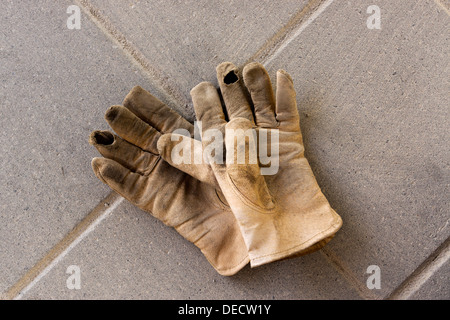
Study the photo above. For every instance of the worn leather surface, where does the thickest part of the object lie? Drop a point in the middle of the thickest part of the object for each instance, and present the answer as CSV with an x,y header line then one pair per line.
x,y
280,215
132,166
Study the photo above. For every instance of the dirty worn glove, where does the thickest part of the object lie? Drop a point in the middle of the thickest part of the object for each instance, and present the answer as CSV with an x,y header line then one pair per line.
x,y
283,213
131,165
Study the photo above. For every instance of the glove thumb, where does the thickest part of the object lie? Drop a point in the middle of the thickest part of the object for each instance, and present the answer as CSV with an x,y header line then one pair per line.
x,y
185,153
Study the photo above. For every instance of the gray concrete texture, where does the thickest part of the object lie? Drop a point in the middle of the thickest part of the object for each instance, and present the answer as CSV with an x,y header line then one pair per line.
x,y
375,123
374,107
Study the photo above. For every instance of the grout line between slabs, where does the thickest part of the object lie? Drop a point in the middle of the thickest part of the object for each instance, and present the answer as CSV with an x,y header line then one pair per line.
x,y
425,271
133,53
64,246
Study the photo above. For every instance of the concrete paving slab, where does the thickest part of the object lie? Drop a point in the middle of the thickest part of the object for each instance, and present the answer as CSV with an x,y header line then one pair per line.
x,y
375,118
56,84
186,40
132,255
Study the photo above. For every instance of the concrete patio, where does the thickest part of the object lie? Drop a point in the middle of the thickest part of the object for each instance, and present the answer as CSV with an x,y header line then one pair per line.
x,y
375,117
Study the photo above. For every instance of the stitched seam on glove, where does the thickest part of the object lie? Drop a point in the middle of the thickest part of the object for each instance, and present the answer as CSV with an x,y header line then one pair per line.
x,y
222,205
246,200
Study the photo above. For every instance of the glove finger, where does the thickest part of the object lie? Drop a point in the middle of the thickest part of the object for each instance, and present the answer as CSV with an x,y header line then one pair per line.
x,y
130,185
258,84
208,107
113,147
236,102
286,105
246,174
131,128
186,154
155,112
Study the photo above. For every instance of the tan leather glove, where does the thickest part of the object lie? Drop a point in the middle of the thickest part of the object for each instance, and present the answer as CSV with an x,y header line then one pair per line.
x,y
280,215
133,167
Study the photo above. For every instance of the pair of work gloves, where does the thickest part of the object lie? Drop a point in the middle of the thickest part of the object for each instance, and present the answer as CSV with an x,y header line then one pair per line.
x,y
231,211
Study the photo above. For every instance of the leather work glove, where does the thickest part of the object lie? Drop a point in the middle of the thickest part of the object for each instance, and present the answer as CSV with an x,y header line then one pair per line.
x,y
133,168
283,213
